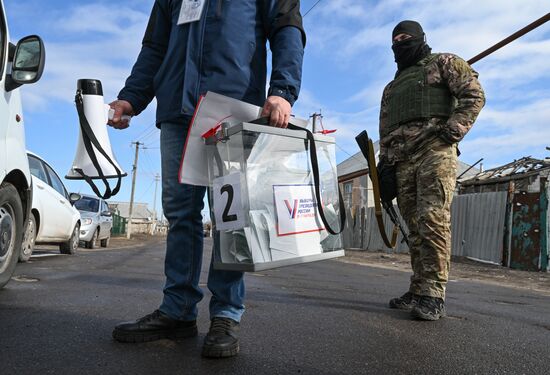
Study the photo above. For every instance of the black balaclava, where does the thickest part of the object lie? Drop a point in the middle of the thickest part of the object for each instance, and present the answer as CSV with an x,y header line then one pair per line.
x,y
409,51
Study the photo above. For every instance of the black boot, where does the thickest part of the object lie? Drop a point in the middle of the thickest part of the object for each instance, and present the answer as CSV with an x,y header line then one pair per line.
x,y
429,308
222,339
153,327
406,302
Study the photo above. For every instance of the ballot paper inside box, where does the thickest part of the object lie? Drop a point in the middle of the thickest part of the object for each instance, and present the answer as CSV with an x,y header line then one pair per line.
x,y
263,206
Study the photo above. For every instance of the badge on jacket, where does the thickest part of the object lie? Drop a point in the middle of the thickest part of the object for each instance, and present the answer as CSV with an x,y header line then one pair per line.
x,y
191,11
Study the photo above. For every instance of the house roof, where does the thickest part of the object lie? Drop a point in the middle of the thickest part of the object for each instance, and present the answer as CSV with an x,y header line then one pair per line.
x,y
356,162
463,167
526,166
139,211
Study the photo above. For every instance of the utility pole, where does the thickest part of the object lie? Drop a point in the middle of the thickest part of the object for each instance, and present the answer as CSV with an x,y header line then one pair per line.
x,y
134,171
155,221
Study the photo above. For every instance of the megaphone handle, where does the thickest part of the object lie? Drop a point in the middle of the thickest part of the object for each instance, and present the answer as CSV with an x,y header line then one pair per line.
x,y
111,114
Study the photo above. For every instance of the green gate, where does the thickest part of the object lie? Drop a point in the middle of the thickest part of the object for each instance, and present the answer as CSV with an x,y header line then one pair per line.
x,y
119,225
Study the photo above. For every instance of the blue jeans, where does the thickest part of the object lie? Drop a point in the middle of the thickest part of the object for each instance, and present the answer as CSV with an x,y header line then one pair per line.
x,y
182,205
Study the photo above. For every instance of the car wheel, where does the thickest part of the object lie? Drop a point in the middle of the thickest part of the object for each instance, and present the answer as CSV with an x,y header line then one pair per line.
x,y
92,244
105,241
29,240
71,245
11,231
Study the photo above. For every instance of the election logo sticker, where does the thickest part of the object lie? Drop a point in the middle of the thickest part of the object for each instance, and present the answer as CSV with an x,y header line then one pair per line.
x,y
296,209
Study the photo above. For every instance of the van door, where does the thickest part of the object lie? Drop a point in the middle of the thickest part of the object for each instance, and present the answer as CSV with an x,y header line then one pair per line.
x,y
4,99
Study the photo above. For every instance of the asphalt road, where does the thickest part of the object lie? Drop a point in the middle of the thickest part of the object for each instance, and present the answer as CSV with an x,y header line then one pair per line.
x,y
329,317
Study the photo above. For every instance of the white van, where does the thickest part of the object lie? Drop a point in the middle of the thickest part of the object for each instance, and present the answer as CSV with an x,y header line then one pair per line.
x,y
19,64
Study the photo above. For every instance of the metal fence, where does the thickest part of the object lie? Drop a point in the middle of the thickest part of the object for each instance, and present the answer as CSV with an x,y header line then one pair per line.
x,y
119,225
361,231
478,222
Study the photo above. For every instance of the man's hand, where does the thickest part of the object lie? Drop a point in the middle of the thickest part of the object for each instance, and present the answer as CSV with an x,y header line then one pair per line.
x,y
278,110
121,107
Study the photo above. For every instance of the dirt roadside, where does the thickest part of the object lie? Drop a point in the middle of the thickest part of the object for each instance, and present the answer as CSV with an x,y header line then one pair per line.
x,y
461,269
137,240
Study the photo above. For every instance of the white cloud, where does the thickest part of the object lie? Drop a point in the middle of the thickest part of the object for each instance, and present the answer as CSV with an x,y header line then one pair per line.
x,y
350,61
94,41
354,36
98,18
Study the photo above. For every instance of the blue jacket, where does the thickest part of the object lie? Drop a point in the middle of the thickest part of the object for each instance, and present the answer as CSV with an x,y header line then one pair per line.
x,y
225,52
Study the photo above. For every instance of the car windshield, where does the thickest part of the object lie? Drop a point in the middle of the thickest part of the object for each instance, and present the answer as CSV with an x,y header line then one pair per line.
x,y
87,204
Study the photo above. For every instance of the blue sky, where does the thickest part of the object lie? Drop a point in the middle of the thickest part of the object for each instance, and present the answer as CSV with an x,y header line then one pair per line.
x,y
347,63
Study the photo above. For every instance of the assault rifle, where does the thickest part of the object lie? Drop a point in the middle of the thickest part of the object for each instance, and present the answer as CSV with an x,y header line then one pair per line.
x,y
367,148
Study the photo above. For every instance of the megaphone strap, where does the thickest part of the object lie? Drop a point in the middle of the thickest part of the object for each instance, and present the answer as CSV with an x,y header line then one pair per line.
x,y
90,141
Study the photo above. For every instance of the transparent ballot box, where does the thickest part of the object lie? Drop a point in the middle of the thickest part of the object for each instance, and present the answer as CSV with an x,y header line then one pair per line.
x,y
262,198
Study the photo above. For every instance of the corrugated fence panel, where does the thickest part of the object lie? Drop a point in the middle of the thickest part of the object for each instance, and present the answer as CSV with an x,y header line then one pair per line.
x,y
477,227
459,209
372,239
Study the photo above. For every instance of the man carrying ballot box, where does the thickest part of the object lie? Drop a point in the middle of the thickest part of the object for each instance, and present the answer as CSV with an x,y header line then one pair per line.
x,y
191,47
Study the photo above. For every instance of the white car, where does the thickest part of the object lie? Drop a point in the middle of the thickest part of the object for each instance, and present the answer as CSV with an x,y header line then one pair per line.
x,y
19,64
53,218
97,221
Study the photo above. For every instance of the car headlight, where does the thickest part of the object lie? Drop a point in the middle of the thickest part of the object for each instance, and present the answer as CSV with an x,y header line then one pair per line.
x,y
87,221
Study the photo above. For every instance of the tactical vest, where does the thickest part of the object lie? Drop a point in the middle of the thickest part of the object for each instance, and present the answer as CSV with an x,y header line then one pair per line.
x,y
411,98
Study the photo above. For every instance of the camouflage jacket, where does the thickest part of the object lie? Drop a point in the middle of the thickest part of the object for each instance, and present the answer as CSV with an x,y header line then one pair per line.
x,y
416,136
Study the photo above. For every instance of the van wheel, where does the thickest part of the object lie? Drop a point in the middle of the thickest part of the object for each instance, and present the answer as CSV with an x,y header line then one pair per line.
x,y
92,244
71,245
29,240
11,230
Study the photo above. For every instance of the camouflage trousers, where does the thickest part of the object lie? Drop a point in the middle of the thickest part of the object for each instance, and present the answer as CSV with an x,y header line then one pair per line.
x,y
426,182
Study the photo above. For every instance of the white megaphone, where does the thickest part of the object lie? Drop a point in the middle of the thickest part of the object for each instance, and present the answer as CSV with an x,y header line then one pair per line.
x,y
94,158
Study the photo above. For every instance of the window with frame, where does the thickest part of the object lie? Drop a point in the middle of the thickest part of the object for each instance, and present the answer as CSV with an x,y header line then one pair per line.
x,y
37,169
56,182
348,187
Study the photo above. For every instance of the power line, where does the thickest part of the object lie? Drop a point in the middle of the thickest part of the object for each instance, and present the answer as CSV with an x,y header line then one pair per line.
x,y
146,130
354,157
148,161
148,135
146,190
311,8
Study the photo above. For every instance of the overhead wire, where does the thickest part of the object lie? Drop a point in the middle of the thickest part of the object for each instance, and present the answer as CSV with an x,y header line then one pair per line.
x,y
149,134
146,130
148,161
350,155
146,190
314,5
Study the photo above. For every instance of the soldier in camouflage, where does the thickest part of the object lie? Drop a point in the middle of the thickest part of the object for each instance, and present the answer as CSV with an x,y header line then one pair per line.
x,y
426,110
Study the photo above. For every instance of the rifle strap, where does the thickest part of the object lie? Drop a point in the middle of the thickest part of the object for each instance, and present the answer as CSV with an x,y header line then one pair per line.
x,y
373,173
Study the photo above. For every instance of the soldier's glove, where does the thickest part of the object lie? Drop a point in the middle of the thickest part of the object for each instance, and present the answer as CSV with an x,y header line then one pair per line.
x,y
452,132
387,179
448,137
